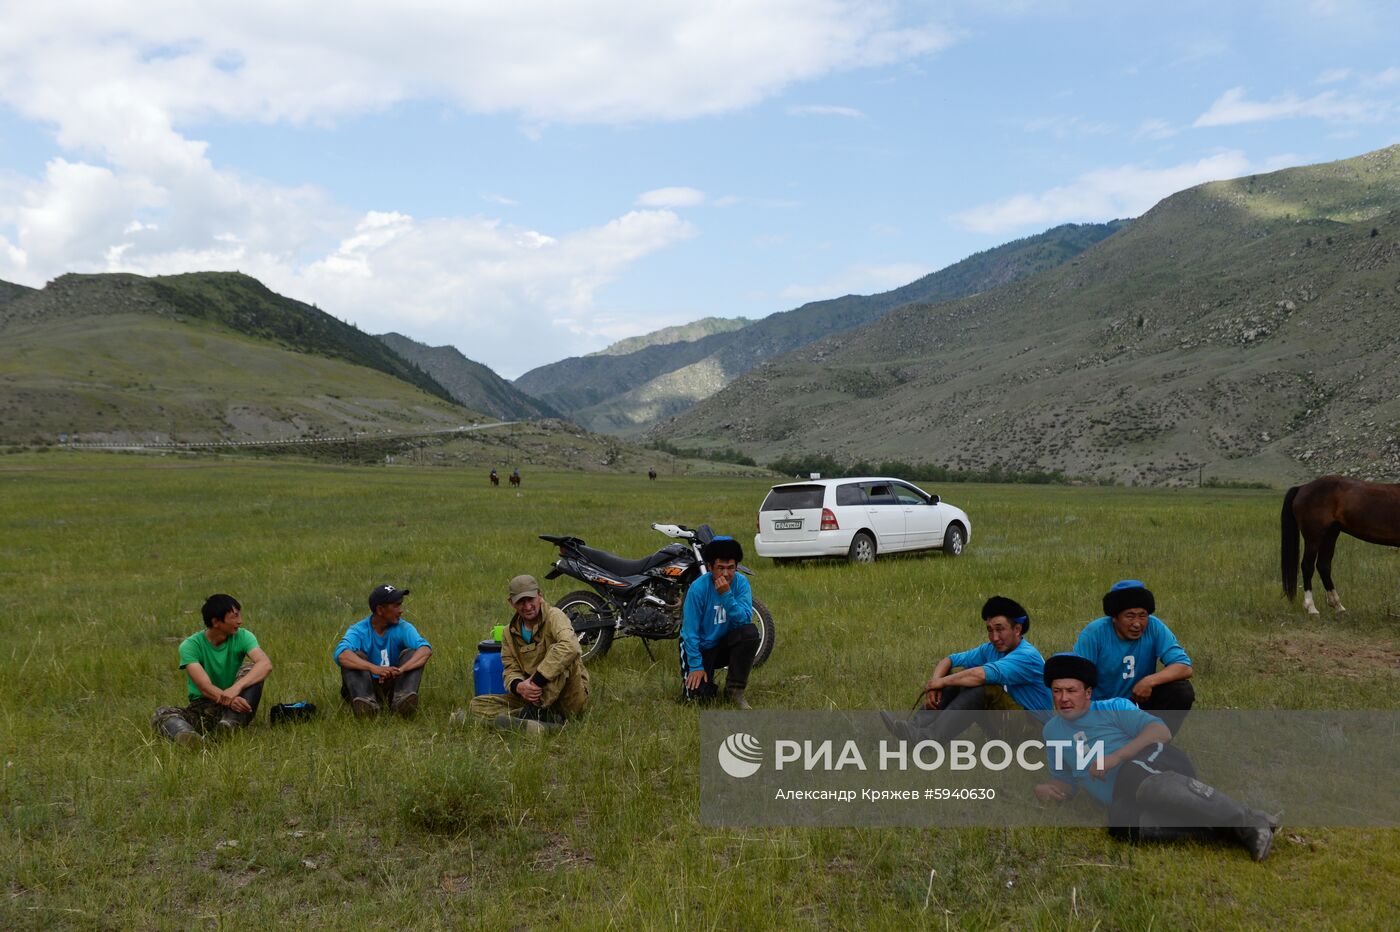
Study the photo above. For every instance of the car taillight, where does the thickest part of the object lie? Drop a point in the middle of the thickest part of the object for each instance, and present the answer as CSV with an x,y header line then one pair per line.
x,y
829,521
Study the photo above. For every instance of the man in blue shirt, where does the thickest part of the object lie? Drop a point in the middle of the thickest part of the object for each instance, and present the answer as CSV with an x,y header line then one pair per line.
x,y
1122,757
381,657
1004,674
717,628
1126,645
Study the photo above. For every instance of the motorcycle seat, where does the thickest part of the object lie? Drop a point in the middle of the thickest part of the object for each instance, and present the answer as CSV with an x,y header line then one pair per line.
x,y
621,565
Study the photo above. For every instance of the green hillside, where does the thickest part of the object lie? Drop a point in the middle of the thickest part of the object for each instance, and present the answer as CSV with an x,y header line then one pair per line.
x,y
626,394
230,299
133,377
469,382
1242,329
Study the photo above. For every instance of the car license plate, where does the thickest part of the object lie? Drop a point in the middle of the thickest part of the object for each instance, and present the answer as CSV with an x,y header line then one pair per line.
x,y
794,524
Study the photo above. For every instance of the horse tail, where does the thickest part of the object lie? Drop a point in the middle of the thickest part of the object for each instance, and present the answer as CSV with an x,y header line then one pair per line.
x,y
1288,550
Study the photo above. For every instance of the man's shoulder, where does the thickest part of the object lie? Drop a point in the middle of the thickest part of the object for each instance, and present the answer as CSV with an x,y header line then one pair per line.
x,y
193,646
244,640
1027,650
1116,704
1159,627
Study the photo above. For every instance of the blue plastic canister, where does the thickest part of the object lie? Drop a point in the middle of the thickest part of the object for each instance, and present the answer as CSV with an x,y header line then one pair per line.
x,y
488,676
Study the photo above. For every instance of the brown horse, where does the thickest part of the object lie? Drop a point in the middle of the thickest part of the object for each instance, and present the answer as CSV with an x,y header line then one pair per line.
x,y
1322,510
515,478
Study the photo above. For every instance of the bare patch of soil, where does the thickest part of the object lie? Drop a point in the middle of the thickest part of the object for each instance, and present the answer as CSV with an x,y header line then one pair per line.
x,y
1352,660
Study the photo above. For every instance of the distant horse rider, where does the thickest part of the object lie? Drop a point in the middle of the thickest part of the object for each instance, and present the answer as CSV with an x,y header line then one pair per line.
x,y
495,478
515,476
651,473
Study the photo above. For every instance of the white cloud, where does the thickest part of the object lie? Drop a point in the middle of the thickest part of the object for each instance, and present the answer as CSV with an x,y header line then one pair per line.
x,y
857,279
1064,127
500,199
1233,107
825,110
1333,75
1104,194
120,83
554,60
671,197
1155,129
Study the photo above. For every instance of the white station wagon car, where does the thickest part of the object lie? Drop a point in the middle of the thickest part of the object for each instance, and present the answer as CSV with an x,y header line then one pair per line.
x,y
856,518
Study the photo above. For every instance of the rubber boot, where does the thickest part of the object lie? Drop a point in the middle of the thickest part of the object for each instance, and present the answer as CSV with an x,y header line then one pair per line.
x,y
405,704
1181,801
178,730
531,726
735,695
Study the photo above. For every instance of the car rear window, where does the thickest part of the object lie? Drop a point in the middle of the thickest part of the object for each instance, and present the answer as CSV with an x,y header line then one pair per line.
x,y
793,497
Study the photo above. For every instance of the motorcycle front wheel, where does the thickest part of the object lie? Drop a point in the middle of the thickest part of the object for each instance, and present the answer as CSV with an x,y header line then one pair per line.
x,y
766,632
584,607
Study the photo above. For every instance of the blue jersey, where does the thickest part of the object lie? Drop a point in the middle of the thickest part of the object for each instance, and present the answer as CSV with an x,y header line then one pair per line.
x,y
1115,722
710,616
1122,663
1020,671
383,649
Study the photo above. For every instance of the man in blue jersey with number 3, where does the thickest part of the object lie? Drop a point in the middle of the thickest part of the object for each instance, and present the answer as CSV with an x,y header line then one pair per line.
x,y
1126,645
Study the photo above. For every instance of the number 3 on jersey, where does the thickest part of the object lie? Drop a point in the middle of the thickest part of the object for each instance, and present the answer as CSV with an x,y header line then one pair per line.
x,y
1131,663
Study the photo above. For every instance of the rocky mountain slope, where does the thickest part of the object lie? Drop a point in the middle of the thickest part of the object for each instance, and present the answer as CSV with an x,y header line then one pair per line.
x,y
682,333
1244,329
469,382
627,393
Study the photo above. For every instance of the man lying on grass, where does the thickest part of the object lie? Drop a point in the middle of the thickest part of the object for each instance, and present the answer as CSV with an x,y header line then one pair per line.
x,y
1148,785
1005,674
381,657
1126,645
224,672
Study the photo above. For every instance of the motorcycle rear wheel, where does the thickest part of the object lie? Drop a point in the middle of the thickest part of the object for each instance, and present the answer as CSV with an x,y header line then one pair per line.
x,y
766,632
582,604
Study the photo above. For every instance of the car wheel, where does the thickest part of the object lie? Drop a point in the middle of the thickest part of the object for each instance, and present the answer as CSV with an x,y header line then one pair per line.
x,y
954,539
862,549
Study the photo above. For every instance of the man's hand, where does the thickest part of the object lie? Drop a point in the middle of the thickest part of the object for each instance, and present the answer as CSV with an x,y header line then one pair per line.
x,y
694,678
528,691
933,692
1142,691
233,702
1104,765
721,584
1050,793
387,673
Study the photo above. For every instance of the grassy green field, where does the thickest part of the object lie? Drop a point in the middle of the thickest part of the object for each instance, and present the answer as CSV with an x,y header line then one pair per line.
x,y
338,823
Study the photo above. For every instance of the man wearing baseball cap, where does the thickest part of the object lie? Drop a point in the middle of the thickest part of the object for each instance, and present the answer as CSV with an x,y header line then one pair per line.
x,y
1122,757
542,663
717,628
1126,645
381,658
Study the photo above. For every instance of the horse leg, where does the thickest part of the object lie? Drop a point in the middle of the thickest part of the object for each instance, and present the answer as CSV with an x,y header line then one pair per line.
x,y
1324,568
1309,560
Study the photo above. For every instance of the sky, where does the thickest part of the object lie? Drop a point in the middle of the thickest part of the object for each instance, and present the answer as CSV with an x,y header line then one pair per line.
x,y
533,179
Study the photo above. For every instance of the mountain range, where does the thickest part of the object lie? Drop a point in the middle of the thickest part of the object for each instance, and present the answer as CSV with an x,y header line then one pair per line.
x,y
627,392
1245,328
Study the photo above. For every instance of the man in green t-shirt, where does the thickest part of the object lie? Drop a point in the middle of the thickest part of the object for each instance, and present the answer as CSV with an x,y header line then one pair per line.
x,y
224,672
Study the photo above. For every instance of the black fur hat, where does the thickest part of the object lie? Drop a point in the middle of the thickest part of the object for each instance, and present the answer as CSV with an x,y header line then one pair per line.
x,y
722,548
1001,605
1126,594
1071,667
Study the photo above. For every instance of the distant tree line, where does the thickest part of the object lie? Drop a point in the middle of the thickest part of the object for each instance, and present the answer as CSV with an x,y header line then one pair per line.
x,y
805,464
717,456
